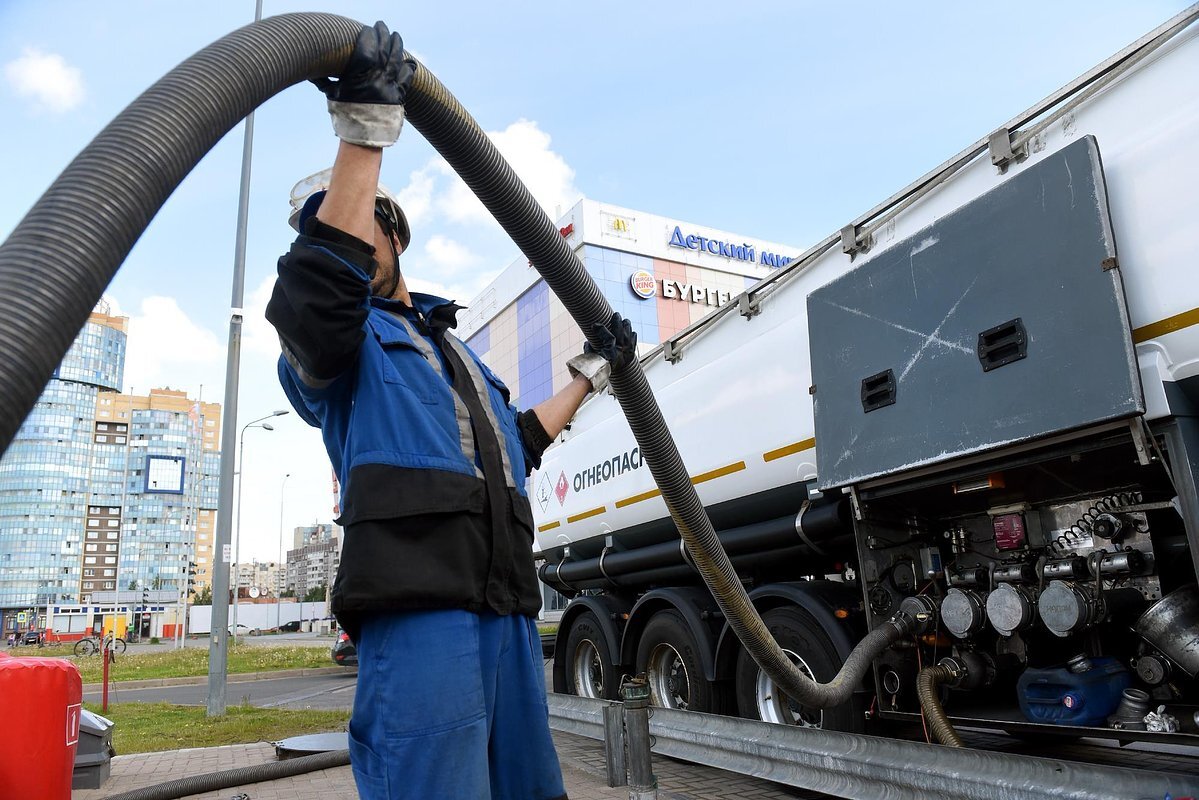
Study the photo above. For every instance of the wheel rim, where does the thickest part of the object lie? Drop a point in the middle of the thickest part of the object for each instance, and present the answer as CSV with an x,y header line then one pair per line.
x,y
775,705
669,683
587,668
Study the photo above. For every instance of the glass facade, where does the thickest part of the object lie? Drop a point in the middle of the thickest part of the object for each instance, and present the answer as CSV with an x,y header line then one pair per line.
x,y
45,474
76,512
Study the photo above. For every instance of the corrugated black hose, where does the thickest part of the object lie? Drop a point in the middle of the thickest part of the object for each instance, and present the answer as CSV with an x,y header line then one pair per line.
x,y
242,776
928,689
60,257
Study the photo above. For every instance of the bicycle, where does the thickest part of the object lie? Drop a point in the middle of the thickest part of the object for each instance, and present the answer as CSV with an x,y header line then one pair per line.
x,y
92,644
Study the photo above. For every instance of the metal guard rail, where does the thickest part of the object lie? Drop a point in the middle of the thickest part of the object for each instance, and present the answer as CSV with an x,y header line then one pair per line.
x,y
856,766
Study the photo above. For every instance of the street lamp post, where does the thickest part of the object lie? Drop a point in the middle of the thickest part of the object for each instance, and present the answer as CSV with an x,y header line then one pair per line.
x,y
241,467
279,593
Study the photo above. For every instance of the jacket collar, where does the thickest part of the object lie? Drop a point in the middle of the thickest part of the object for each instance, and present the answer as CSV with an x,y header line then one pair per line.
x,y
438,312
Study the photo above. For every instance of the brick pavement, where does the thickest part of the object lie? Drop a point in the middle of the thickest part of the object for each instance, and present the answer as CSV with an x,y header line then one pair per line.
x,y
582,768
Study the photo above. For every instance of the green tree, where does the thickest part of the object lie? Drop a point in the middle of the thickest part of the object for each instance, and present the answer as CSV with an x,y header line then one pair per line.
x,y
204,596
133,585
157,583
315,594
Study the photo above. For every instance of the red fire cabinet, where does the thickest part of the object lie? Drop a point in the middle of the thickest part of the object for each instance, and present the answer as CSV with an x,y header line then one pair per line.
x,y
41,696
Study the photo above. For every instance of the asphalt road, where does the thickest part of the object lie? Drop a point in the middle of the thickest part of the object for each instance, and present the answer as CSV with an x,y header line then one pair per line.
x,y
331,691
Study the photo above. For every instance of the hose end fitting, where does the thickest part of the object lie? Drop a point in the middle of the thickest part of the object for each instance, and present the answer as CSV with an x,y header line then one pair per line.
x,y
917,614
969,670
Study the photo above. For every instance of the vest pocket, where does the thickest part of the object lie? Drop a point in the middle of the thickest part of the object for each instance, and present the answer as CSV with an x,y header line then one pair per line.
x,y
405,365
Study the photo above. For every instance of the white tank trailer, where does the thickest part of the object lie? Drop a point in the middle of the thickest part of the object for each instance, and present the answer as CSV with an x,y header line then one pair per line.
x,y
983,393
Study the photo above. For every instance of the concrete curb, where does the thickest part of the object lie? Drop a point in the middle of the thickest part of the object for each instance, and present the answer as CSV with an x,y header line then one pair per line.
x,y
241,677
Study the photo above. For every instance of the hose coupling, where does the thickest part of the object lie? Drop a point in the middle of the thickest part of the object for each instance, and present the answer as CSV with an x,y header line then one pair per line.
x,y
969,670
917,614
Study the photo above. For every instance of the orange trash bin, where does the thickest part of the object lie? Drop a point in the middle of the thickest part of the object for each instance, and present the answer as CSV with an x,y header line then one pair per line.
x,y
42,696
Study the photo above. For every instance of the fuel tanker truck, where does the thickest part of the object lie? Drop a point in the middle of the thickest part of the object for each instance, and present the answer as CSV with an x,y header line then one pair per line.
x,y
976,406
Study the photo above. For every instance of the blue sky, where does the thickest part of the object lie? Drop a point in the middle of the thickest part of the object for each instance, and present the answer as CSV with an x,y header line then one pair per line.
x,y
777,120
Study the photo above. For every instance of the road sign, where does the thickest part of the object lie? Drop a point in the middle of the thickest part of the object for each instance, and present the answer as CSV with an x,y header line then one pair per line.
x,y
21,617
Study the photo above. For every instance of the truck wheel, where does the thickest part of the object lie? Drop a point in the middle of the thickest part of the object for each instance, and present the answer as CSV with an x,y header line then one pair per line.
x,y
803,640
670,659
589,670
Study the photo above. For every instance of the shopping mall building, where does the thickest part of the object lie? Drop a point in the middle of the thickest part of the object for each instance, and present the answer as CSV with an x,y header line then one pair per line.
x,y
660,273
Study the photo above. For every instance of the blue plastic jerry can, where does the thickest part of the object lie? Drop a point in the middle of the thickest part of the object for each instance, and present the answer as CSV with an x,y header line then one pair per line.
x,y
1058,696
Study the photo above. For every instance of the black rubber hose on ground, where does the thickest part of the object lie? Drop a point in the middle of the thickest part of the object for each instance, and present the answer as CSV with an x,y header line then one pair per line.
x,y
60,257
242,776
928,687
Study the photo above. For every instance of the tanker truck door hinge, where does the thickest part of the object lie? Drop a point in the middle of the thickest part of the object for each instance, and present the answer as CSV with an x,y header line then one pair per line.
x,y
855,504
999,144
1141,437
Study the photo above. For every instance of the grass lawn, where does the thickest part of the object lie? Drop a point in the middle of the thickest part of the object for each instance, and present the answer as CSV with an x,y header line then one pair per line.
x,y
150,727
187,662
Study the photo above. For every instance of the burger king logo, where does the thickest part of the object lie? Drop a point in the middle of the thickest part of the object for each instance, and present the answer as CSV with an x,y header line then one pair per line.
x,y
643,284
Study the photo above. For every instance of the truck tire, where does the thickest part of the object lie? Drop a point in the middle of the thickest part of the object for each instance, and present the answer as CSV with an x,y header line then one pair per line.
x,y
588,663
809,646
670,659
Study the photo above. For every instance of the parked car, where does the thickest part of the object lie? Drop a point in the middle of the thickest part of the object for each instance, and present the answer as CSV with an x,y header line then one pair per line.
x,y
32,637
290,627
344,653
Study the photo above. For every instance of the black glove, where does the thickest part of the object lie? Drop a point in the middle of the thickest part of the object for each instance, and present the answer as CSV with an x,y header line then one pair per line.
x,y
618,341
366,102
618,347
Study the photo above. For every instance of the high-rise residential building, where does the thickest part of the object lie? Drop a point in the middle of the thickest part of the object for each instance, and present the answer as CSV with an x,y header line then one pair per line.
x,y
260,579
166,446
312,565
101,489
316,533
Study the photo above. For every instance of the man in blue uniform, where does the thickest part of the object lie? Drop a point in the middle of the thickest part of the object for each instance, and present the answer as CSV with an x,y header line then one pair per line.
x,y
436,584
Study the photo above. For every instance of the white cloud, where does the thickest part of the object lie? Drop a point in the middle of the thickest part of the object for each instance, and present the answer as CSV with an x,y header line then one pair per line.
x,y
448,256
417,197
53,84
436,187
165,348
258,335
546,174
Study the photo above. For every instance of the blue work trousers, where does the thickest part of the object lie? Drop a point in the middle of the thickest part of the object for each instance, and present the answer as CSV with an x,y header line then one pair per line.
x,y
451,704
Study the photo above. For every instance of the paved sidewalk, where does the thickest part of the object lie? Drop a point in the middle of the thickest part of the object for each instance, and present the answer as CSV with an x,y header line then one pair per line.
x,y
582,767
